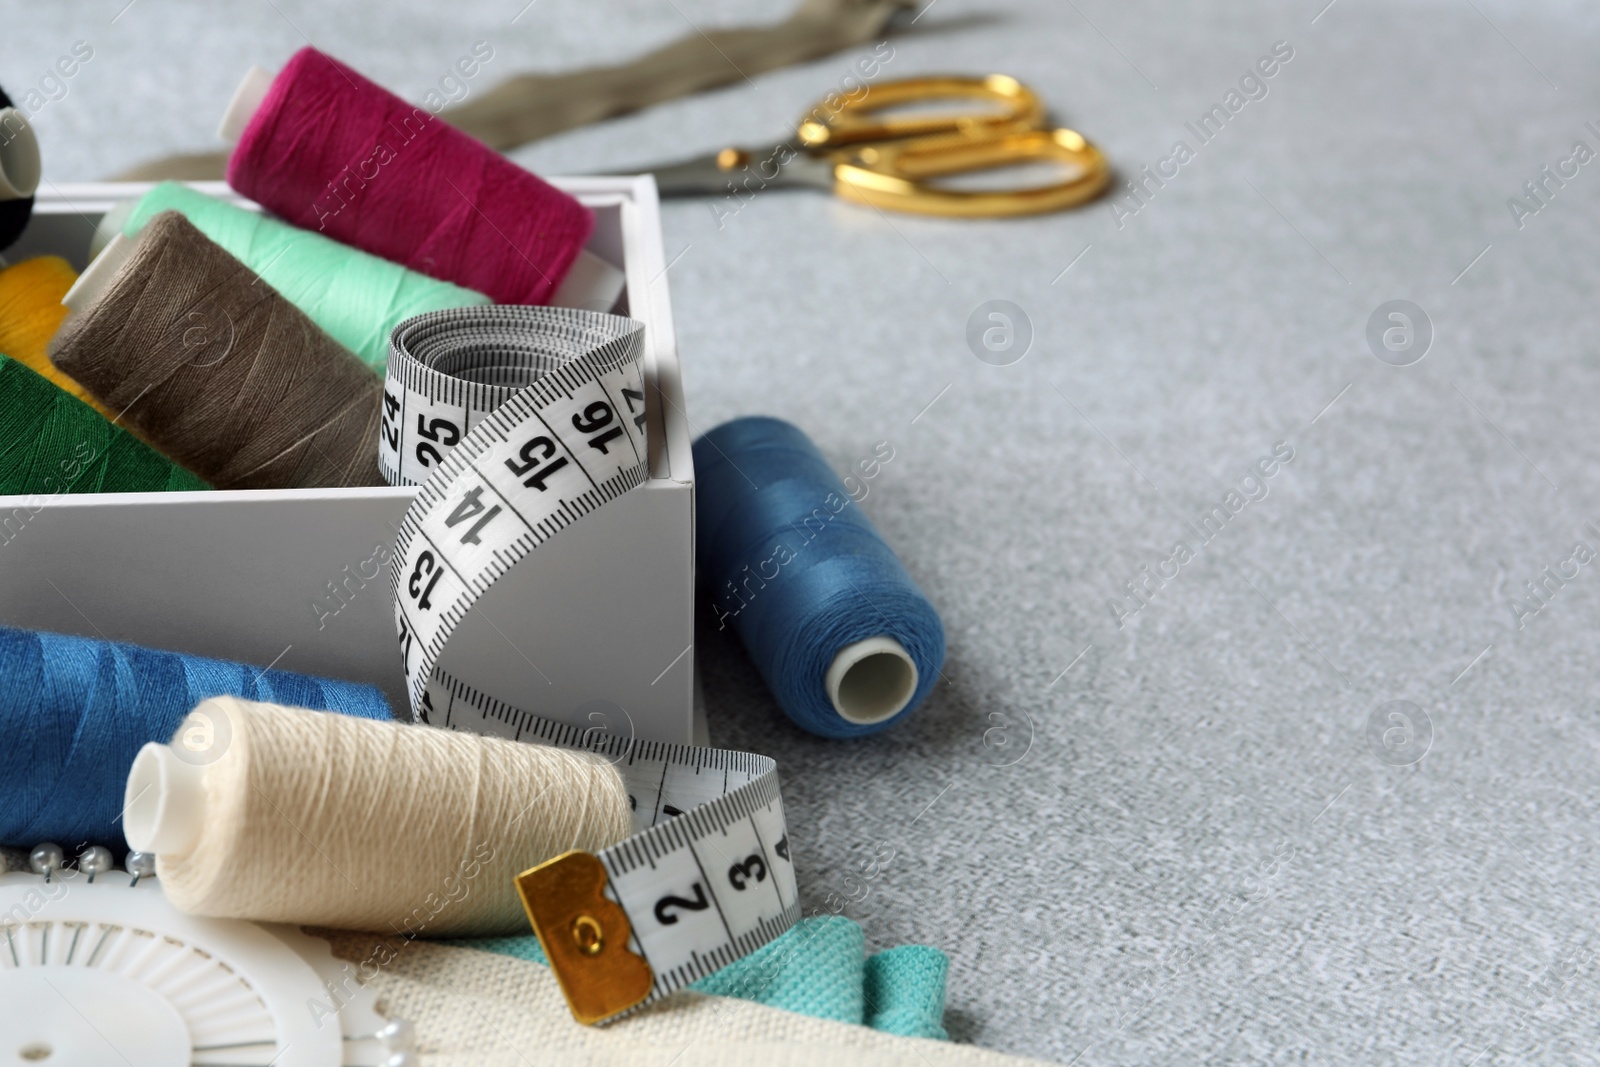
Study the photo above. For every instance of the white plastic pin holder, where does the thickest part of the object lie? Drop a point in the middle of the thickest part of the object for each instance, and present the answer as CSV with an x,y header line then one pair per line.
x,y
102,946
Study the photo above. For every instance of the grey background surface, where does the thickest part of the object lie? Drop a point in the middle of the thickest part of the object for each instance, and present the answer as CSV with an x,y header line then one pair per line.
x,y
1167,840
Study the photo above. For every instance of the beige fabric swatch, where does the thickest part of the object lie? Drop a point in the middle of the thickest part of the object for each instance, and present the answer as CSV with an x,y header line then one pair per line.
x,y
487,1010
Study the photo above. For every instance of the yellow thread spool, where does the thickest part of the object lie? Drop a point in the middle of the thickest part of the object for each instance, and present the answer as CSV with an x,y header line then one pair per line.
x,y
30,314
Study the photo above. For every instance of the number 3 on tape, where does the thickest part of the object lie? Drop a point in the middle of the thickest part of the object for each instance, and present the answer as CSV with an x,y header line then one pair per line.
x,y
517,421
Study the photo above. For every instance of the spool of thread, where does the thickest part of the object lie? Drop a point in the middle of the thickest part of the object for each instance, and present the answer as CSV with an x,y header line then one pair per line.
x,y
331,821
20,171
216,369
839,630
76,711
30,314
330,151
357,298
54,443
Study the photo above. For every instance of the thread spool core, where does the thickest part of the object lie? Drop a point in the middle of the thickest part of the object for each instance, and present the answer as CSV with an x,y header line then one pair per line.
x,y
591,283
164,808
109,226
871,680
98,274
247,100
20,167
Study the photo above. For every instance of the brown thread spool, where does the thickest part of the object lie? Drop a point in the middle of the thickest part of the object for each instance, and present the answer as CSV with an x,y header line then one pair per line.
x,y
211,365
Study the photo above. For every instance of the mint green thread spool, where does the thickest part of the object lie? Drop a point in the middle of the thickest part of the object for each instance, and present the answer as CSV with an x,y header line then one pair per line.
x,y
356,297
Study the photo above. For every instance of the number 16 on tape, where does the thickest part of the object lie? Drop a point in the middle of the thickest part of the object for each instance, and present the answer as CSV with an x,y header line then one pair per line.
x,y
518,421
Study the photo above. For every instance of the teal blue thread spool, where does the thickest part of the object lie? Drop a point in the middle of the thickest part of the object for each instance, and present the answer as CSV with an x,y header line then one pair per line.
x,y
847,642
77,710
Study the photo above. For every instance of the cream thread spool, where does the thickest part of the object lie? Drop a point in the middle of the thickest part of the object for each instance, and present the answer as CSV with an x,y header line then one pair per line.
x,y
280,814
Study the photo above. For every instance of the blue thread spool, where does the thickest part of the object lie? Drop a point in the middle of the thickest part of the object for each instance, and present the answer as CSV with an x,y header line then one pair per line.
x,y
841,633
75,711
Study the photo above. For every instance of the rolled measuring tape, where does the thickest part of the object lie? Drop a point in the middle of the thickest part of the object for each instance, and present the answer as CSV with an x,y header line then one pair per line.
x,y
517,421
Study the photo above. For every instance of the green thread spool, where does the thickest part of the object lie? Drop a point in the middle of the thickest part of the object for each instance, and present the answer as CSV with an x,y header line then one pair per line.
x,y
355,297
52,442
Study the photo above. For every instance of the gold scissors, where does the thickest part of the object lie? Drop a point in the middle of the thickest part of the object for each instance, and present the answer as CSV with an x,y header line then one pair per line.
x,y
893,162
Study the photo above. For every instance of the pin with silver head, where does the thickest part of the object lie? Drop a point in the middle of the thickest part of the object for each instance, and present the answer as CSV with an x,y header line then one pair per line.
x,y
96,859
140,865
46,858
397,1036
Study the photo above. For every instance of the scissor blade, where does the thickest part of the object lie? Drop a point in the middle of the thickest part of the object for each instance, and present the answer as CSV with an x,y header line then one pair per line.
x,y
764,169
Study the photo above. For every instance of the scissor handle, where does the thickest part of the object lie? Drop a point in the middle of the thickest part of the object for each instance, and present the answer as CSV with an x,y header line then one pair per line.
x,y
856,122
892,175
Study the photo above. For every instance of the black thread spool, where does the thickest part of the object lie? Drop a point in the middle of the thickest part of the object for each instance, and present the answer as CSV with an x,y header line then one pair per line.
x,y
19,166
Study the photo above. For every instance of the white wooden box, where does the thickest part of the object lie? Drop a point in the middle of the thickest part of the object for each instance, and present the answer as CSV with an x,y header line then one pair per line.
x,y
239,574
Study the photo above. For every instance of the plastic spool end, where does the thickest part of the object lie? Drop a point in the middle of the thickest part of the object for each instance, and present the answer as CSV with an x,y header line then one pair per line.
x,y
871,680
20,168
247,100
98,274
164,804
591,283
109,226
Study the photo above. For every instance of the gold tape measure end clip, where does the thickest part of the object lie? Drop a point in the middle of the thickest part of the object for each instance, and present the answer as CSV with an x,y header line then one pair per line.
x,y
585,936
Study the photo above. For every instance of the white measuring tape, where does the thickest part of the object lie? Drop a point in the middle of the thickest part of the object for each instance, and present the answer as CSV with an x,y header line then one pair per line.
x,y
517,421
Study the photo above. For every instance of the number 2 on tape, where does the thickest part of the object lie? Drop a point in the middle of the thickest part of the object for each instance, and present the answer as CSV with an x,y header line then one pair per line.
x,y
516,422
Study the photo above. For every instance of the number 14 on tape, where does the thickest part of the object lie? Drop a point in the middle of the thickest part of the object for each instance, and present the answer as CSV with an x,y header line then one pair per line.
x,y
519,421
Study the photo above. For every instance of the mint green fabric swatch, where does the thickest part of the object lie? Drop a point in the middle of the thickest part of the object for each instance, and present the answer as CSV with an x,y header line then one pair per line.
x,y
818,968
904,991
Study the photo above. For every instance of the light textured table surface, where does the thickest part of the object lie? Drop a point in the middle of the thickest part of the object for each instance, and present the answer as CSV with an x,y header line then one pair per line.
x,y
1196,853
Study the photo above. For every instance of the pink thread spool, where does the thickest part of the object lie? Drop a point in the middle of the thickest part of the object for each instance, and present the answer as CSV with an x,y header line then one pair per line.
x,y
329,150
